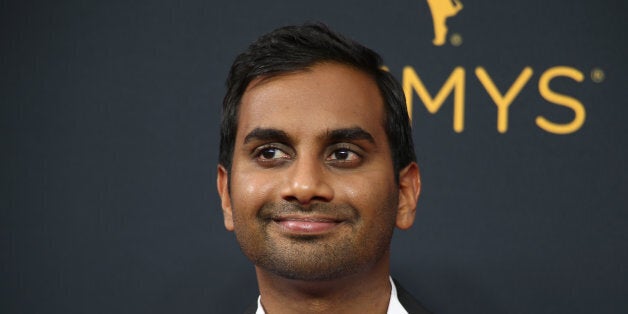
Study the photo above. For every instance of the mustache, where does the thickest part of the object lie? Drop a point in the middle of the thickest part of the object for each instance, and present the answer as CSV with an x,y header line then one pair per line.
x,y
334,211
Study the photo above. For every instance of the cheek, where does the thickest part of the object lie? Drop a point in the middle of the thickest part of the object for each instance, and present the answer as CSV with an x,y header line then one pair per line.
x,y
250,191
375,180
370,192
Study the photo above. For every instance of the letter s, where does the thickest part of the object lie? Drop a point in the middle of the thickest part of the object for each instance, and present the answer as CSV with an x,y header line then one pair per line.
x,y
562,100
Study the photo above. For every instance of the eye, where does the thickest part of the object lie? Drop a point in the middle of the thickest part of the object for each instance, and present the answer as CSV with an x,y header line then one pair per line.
x,y
269,156
344,156
272,153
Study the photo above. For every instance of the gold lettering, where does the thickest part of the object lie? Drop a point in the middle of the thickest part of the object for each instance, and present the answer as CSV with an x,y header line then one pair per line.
x,y
455,83
560,99
503,101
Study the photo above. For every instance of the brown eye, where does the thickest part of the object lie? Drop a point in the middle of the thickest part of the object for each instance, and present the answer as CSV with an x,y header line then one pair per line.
x,y
268,153
344,155
341,154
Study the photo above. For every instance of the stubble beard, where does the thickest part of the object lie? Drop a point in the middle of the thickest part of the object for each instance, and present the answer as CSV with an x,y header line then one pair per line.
x,y
317,258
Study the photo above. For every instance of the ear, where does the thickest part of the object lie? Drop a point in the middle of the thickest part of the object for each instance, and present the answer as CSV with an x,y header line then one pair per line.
x,y
222,182
409,190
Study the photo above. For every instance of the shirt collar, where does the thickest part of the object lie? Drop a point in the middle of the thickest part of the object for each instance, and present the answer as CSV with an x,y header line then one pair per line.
x,y
394,306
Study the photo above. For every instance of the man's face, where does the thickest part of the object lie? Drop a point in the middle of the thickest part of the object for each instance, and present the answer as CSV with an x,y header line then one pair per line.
x,y
312,193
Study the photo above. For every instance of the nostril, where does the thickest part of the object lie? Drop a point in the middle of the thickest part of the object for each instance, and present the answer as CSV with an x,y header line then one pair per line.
x,y
305,201
291,198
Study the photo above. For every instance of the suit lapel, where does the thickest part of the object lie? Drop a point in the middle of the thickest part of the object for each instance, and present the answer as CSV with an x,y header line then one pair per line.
x,y
408,301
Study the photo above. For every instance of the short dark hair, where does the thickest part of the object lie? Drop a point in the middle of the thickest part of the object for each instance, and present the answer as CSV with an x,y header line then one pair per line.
x,y
295,48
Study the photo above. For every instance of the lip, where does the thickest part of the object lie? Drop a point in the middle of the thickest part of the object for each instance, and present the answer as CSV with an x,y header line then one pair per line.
x,y
307,225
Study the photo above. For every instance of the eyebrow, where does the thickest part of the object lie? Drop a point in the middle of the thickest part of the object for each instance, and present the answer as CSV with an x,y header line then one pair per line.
x,y
349,134
337,135
267,134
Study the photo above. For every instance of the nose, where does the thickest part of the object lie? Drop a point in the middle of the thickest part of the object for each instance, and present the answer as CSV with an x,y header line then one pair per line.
x,y
306,182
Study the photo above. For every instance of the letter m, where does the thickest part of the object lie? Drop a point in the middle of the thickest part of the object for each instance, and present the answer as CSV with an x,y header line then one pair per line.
x,y
455,83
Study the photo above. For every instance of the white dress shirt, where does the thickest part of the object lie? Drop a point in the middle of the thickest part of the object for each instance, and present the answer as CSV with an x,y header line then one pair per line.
x,y
394,306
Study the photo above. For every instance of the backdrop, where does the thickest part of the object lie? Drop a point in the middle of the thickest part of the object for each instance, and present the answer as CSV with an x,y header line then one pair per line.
x,y
109,135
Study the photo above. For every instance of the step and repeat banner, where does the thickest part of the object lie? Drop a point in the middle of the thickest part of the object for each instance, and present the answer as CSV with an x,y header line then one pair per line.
x,y
110,119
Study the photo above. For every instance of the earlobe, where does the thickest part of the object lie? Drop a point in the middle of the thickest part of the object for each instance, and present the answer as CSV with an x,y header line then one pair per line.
x,y
222,182
409,190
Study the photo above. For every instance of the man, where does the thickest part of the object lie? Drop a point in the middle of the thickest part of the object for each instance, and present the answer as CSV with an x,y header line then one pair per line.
x,y
317,167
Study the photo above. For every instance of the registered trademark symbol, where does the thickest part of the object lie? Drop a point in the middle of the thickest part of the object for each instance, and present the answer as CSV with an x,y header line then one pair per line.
x,y
597,75
455,39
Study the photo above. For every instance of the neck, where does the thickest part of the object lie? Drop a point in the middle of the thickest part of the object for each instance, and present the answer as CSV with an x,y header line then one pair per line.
x,y
364,292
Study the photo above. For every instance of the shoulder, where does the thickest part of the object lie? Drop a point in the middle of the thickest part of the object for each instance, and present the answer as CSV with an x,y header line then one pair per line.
x,y
412,305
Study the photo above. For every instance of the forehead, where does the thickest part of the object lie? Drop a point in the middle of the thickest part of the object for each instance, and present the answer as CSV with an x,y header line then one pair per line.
x,y
324,97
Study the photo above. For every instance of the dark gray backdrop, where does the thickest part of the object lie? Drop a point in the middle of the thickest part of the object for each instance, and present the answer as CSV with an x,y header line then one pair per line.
x,y
109,130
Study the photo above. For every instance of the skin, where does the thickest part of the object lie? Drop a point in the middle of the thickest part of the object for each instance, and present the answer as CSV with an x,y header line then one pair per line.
x,y
312,195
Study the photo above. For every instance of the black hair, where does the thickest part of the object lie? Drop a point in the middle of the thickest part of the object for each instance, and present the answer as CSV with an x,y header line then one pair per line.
x,y
296,48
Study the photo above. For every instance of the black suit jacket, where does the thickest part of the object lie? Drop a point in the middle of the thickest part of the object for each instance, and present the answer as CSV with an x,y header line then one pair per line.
x,y
405,298
409,303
